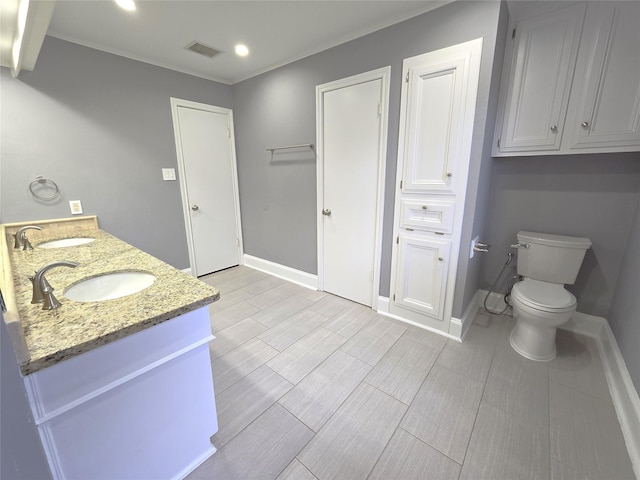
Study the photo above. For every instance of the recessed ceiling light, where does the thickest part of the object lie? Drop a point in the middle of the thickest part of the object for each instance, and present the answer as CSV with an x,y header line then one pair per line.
x,y
128,5
242,50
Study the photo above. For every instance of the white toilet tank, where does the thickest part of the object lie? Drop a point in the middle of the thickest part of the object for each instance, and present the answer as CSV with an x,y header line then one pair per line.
x,y
551,258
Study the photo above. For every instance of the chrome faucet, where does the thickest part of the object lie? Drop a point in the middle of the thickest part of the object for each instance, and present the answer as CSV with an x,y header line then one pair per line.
x,y
42,291
21,240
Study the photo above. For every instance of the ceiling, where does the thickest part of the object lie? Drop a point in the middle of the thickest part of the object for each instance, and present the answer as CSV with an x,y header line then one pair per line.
x,y
276,32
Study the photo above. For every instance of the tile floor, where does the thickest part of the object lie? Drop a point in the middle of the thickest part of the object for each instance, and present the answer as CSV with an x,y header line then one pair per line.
x,y
312,386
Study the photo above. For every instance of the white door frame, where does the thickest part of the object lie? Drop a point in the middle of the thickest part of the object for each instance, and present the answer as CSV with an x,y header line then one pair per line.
x,y
175,103
382,74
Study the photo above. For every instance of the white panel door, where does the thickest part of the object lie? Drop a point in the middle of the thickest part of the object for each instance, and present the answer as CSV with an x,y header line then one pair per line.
x,y
351,133
421,278
204,143
433,119
544,57
606,110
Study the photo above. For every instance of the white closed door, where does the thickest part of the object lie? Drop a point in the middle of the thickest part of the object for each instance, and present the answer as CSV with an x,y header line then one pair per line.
x,y
350,139
209,186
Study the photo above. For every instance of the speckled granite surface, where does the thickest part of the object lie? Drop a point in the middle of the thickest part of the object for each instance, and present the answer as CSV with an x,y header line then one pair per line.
x,y
75,327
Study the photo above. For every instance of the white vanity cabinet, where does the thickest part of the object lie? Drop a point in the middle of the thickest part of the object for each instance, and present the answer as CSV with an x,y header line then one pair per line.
x,y
142,407
571,80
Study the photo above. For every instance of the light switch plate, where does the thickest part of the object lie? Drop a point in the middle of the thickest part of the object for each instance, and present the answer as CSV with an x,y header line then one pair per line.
x,y
76,207
168,173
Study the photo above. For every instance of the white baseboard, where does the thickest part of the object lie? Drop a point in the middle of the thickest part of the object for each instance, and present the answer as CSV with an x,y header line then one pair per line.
x,y
460,326
188,271
299,277
383,309
623,393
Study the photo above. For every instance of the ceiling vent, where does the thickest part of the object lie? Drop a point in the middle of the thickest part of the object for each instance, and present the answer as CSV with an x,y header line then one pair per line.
x,y
203,49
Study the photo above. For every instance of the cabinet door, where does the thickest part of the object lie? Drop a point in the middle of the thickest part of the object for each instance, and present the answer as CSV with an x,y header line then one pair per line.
x,y
543,58
605,108
422,274
440,94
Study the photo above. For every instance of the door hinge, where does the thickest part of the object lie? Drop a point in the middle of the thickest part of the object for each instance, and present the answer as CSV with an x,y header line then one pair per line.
x,y
228,133
400,184
513,34
397,240
498,143
379,110
394,297
406,78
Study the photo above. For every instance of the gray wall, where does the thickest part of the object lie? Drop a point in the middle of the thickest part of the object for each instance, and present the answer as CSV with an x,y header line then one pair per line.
x,y
21,454
100,126
278,200
590,196
624,317
479,185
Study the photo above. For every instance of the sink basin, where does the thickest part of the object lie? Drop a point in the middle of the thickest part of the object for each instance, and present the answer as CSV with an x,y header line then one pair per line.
x,y
66,242
109,286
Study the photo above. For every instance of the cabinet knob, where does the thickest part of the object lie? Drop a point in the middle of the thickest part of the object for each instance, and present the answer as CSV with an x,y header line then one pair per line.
x,y
326,212
554,128
449,174
440,259
585,124
424,207
195,208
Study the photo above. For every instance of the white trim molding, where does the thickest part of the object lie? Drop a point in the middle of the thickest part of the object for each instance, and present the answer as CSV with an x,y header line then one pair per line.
x,y
383,309
460,326
623,393
292,275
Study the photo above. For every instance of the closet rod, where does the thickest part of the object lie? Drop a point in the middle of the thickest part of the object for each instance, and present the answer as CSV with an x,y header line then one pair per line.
x,y
308,145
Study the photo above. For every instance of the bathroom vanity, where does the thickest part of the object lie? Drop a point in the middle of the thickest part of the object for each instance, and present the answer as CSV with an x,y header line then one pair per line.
x,y
119,388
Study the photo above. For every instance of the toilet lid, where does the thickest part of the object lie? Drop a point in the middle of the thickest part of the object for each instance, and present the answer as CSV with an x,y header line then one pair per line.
x,y
543,296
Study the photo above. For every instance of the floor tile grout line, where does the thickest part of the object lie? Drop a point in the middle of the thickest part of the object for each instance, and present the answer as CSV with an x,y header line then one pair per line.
x,y
265,411
394,430
475,418
341,403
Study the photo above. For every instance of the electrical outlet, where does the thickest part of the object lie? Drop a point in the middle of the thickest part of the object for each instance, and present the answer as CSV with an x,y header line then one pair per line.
x,y
168,173
76,207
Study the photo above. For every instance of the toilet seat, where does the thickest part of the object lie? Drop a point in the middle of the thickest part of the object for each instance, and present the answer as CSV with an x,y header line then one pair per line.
x,y
543,296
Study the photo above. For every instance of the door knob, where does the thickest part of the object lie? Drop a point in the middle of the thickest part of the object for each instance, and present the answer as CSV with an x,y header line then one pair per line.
x,y
326,212
585,125
195,207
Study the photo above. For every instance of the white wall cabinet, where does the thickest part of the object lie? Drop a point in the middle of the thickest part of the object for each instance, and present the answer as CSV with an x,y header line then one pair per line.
x,y
571,81
436,126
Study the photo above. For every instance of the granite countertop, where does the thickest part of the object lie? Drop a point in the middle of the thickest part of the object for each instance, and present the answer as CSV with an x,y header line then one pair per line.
x,y
77,327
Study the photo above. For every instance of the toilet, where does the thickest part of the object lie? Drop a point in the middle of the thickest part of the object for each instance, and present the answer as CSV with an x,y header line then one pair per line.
x,y
540,302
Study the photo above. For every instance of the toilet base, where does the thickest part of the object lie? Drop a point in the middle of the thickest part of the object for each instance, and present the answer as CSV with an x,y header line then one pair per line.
x,y
534,342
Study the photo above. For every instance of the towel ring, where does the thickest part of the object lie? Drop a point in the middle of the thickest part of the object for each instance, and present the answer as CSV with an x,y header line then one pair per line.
x,y
45,182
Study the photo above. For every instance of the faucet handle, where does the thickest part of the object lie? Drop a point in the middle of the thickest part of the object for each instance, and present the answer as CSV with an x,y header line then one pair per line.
x,y
50,302
26,244
37,296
